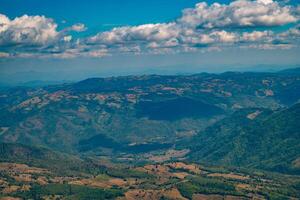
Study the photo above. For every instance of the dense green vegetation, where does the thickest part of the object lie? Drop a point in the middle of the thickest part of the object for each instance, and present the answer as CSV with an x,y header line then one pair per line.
x,y
69,192
206,186
102,141
270,141
175,109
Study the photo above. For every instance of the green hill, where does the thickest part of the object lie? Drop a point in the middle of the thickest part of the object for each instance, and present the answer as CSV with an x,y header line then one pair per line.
x,y
41,157
135,113
269,142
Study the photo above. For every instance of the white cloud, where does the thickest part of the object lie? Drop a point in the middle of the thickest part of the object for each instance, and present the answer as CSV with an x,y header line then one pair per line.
x,y
67,38
240,13
146,32
38,36
293,32
257,35
265,1
193,37
204,28
173,42
291,36
78,27
31,30
223,36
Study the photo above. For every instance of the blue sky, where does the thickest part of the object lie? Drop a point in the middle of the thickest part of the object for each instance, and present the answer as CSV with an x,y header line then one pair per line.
x,y
98,12
76,38
100,15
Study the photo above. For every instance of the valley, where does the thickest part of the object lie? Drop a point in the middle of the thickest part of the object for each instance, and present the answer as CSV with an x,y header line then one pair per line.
x,y
205,136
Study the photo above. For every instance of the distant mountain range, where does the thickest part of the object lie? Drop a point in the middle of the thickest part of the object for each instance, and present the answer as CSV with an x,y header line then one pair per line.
x,y
236,119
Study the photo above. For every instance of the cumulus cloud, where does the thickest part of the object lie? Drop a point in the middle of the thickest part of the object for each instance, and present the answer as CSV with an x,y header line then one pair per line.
x,y
240,13
167,35
203,26
223,36
35,35
146,32
33,30
206,27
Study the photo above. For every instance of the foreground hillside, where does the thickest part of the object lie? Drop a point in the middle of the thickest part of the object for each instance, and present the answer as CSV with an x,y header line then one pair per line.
x,y
168,180
57,162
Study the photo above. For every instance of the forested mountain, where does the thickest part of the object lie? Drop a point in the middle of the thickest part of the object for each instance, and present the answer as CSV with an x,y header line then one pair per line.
x,y
231,135
252,138
136,109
